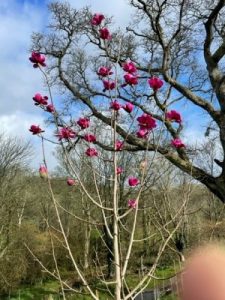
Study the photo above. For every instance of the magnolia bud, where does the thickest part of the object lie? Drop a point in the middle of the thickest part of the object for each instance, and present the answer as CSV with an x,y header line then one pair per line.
x,y
143,164
71,182
43,172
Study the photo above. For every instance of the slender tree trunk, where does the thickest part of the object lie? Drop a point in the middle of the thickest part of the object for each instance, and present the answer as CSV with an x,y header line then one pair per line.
x,y
87,245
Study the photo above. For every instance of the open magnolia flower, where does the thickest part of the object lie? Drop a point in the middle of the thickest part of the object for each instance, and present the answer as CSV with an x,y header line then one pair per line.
x,y
97,19
133,181
35,129
37,59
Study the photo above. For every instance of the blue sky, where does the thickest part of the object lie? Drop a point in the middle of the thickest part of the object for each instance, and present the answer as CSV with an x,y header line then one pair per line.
x,y
19,81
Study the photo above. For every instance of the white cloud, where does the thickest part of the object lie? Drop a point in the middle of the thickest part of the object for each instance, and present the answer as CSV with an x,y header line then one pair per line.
x,y
18,80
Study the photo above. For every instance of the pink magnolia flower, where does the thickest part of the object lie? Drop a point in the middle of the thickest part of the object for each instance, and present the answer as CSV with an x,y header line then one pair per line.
x,y
66,133
146,122
50,108
133,181
177,143
129,67
97,19
91,152
104,71
119,145
142,133
83,123
119,170
173,115
155,83
39,100
90,138
115,105
132,203
43,172
35,129
70,182
37,59
130,79
108,85
105,34
128,107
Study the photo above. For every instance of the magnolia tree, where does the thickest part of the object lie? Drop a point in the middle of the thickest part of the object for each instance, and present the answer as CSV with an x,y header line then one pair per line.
x,y
130,81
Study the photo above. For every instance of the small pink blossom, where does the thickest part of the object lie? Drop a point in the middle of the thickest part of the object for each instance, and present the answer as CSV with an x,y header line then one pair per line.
x,y
104,71
97,19
35,129
66,133
142,133
40,100
108,85
155,83
105,34
119,170
91,152
132,203
177,143
128,107
115,105
37,59
70,182
130,79
90,138
146,121
83,123
119,145
133,181
43,172
50,108
129,67
173,116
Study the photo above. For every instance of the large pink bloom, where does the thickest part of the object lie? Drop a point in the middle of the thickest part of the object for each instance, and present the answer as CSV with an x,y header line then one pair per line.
x,y
133,181
129,67
90,138
177,143
105,34
37,59
119,145
132,203
97,19
66,133
104,71
108,85
146,122
70,182
128,107
173,116
91,152
40,100
35,129
83,123
155,83
115,105
130,79
43,172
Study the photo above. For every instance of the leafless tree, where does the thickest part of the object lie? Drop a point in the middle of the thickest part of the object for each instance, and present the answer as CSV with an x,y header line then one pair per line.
x,y
183,41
